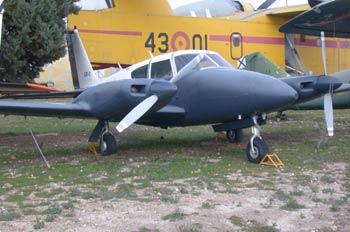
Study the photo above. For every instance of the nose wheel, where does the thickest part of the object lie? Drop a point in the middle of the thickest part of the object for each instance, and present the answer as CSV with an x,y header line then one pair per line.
x,y
256,147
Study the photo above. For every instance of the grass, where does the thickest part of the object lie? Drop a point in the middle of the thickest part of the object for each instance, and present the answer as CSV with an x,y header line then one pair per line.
x,y
13,125
261,229
235,220
190,155
208,205
292,205
145,229
177,215
9,216
196,227
39,224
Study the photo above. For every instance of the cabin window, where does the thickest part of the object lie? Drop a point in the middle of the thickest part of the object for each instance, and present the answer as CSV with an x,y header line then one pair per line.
x,y
140,72
161,70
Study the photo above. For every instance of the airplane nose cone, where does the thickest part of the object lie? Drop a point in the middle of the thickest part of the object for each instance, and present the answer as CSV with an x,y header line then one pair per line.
x,y
270,94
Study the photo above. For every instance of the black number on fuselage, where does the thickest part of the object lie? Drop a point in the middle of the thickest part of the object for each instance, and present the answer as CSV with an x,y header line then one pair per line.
x,y
164,42
150,42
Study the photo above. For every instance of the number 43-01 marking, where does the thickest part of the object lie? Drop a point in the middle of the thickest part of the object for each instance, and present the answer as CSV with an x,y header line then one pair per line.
x,y
164,41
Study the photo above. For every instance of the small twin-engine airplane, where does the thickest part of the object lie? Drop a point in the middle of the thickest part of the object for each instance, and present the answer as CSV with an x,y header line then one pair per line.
x,y
182,88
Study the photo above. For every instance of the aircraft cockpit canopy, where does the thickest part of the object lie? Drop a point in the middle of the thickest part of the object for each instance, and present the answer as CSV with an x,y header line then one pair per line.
x,y
167,66
209,60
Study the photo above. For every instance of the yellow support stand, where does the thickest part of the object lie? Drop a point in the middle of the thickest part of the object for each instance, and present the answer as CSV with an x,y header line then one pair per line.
x,y
93,149
272,160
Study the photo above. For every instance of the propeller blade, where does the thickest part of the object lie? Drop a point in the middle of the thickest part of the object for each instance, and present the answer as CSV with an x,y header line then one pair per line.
x,y
328,98
328,112
323,44
137,113
187,68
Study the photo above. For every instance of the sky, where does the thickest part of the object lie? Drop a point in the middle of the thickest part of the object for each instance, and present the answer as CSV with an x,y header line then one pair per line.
x,y
255,3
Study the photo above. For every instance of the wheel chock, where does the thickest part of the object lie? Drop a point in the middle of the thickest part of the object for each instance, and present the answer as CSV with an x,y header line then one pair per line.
x,y
220,136
93,149
272,160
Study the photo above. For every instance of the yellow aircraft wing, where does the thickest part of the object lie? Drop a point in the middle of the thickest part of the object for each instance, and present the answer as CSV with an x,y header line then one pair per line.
x,y
332,17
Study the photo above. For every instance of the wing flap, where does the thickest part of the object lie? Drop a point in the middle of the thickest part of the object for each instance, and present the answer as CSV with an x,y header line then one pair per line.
x,y
65,94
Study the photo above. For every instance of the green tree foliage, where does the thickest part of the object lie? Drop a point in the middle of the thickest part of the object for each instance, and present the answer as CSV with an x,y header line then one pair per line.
x,y
32,36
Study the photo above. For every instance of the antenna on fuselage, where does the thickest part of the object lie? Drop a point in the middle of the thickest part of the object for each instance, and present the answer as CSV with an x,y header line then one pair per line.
x,y
120,67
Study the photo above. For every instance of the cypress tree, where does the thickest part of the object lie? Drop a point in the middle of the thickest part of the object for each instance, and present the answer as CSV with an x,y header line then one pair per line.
x,y
32,36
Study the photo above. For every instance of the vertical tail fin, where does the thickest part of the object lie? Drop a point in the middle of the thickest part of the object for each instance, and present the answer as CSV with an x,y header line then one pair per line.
x,y
82,73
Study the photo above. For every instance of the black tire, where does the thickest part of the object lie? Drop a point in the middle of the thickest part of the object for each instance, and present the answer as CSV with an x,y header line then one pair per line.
x,y
108,144
234,136
260,150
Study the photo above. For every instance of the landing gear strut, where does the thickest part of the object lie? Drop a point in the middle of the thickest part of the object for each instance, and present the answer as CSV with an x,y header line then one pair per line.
x,y
108,144
256,147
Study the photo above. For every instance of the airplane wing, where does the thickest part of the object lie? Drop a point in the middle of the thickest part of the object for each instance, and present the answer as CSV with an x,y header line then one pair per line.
x,y
59,110
332,17
50,95
12,88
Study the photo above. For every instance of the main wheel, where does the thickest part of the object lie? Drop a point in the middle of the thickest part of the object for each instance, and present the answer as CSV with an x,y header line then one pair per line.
x,y
234,136
108,144
258,152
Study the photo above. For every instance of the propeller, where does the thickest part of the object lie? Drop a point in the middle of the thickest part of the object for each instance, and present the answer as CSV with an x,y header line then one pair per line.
x,y
327,99
142,108
137,113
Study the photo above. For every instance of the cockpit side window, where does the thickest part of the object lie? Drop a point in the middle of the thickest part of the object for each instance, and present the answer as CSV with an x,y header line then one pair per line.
x,y
140,72
182,60
161,70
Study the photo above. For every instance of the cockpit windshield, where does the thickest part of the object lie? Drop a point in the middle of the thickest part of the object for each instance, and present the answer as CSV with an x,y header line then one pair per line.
x,y
219,60
209,60
182,60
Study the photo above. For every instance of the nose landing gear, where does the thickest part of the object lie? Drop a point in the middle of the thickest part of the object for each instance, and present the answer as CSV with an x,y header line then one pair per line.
x,y
256,147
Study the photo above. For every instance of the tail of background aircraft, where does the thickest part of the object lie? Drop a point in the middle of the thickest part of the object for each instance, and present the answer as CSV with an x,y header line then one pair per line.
x,y
259,63
82,73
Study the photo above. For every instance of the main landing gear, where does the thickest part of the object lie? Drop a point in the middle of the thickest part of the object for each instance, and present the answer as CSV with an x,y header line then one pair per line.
x,y
104,137
256,147
234,136
108,144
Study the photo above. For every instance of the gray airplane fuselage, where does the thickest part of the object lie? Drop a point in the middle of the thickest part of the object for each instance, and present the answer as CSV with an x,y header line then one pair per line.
x,y
221,94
